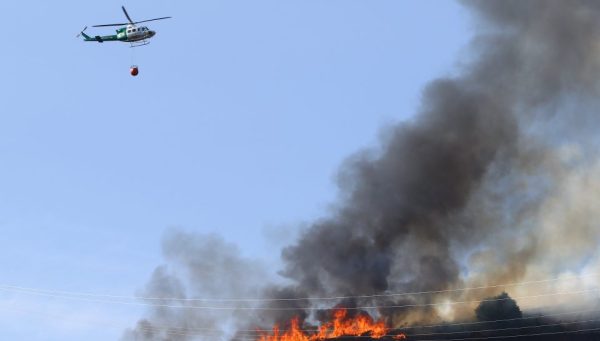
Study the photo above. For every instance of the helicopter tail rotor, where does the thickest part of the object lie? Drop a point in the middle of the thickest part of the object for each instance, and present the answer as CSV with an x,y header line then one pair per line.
x,y
80,33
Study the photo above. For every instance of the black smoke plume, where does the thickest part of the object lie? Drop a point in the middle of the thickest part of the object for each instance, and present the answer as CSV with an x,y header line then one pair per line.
x,y
493,181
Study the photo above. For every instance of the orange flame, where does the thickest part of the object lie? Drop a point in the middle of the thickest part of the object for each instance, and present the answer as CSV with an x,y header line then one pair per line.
x,y
341,325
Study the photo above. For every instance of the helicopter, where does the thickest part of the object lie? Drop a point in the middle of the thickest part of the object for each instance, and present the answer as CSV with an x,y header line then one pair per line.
x,y
131,33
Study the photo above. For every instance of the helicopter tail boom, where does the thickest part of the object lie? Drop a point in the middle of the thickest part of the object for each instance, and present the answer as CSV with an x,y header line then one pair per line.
x,y
99,39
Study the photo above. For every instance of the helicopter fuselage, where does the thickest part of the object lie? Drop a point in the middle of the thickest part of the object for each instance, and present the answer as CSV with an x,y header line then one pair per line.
x,y
129,34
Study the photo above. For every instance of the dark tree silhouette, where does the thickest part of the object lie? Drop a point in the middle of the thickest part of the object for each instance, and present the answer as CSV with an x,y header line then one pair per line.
x,y
500,307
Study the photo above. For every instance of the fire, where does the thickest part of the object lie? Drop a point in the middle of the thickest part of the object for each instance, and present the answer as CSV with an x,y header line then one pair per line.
x,y
342,325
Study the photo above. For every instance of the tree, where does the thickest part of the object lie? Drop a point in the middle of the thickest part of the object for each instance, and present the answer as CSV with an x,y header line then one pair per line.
x,y
501,307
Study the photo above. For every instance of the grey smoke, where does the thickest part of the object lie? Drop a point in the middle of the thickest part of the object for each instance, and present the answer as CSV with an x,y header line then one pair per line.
x,y
198,266
469,192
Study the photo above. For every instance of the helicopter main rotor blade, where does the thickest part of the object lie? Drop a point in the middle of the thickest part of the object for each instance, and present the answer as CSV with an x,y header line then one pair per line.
x,y
131,22
139,22
127,15
107,25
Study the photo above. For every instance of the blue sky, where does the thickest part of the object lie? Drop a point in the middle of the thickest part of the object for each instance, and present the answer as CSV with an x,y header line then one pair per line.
x,y
241,115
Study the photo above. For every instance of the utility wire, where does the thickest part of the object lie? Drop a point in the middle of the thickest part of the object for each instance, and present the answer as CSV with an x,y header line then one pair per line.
x,y
479,338
181,332
310,308
188,332
261,333
522,335
467,338
556,324
83,294
258,330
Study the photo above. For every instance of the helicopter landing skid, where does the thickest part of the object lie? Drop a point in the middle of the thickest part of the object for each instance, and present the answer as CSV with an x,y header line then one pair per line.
x,y
139,44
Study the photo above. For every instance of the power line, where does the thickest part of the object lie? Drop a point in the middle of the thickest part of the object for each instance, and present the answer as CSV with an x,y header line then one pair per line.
x,y
256,330
247,337
504,320
70,293
556,324
310,308
482,337
257,333
522,335
255,337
